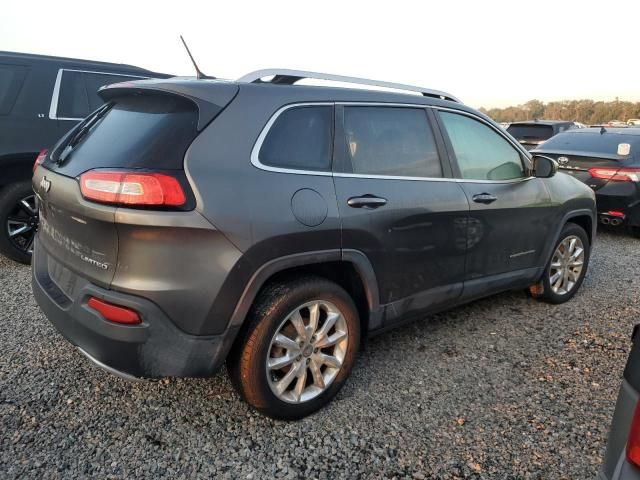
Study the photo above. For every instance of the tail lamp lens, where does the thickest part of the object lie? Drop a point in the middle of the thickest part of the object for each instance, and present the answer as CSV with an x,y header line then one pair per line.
x,y
616,174
39,159
131,188
114,313
633,441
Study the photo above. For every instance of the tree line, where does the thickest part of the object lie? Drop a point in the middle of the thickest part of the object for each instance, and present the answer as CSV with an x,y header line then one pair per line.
x,y
588,112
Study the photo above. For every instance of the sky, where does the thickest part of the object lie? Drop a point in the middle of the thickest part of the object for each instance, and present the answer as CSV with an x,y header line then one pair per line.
x,y
488,53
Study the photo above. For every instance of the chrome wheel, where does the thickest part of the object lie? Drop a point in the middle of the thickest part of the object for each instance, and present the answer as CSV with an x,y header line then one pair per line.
x,y
566,265
22,224
307,351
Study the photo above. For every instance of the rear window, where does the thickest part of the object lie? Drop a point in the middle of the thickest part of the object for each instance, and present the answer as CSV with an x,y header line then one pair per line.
x,y
300,138
11,78
531,132
592,143
150,131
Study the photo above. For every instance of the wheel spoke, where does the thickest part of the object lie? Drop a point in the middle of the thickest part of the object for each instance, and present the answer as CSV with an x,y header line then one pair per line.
x,y
325,342
556,264
26,206
318,379
578,251
298,323
285,342
327,360
555,276
19,231
328,325
276,363
284,383
301,383
314,317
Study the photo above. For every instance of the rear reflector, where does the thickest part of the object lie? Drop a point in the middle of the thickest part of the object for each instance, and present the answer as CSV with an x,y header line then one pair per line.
x,y
39,159
615,213
616,174
131,188
114,313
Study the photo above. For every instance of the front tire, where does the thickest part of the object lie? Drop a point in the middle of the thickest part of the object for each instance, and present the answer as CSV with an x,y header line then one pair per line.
x,y
18,220
568,265
298,347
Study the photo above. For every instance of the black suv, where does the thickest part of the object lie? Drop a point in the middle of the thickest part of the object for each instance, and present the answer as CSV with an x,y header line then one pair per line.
x,y
533,133
41,98
272,225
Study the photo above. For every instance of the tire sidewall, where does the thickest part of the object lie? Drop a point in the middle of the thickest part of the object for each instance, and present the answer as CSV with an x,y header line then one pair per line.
x,y
568,230
287,302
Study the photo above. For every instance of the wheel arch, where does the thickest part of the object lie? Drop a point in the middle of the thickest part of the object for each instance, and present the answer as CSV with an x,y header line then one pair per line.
x,y
16,167
350,269
584,218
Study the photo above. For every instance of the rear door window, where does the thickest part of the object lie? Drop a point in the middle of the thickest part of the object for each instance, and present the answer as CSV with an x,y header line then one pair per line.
x,y
11,79
78,95
391,141
531,132
481,153
300,139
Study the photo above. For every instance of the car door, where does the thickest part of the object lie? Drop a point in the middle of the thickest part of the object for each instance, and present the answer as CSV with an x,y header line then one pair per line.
x,y
399,205
510,217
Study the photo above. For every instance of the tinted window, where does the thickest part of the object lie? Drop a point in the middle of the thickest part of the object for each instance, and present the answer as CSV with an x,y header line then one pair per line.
x,y
592,142
72,97
147,131
95,81
11,77
481,152
531,132
300,138
391,141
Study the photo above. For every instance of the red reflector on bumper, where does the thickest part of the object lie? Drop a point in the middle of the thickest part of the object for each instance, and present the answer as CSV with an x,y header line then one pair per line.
x,y
615,213
114,313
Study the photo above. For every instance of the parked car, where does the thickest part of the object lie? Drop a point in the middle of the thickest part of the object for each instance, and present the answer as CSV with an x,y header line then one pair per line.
x,y
616,123
608,160
633,122
533,133
271,225
622,457
41,98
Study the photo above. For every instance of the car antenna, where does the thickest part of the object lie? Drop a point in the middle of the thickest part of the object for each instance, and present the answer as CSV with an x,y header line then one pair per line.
x,y
199,74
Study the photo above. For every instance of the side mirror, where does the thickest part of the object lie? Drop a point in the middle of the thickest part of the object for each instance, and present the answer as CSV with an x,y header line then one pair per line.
x,y
544,167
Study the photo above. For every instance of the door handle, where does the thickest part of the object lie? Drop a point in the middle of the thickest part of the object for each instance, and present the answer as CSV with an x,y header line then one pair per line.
x,y
484,198
366,201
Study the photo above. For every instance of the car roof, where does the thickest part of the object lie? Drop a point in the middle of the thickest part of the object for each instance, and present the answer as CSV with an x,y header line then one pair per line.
x,y
607,130
540,122
65,62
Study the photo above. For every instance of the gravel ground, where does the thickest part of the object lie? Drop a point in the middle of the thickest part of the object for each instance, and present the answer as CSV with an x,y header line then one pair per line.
x,y
503,388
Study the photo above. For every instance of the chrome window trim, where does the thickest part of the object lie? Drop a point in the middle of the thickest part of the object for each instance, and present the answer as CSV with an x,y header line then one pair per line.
x,y
255,160
55,97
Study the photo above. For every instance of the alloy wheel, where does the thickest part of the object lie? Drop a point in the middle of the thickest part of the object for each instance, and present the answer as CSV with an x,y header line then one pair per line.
x,y
307,351
22,224
566,265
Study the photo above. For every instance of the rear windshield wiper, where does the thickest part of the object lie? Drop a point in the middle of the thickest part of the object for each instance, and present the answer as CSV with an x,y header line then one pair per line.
x,y
82,131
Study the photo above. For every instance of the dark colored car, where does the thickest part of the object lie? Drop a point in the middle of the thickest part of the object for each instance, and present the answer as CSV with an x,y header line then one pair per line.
x,y
271,225
622,457
41,98
533,133
608,161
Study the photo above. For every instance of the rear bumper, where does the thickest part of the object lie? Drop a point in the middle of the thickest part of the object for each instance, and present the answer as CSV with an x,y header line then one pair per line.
x,y
155,348
622,197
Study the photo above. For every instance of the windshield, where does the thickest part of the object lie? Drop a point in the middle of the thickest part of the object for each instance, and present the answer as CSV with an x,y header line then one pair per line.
x,y
531,132
593,143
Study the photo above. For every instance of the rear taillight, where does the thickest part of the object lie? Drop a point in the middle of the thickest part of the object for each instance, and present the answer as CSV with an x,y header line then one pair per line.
x,y
39,159
633,441
132,188
114,313
616,174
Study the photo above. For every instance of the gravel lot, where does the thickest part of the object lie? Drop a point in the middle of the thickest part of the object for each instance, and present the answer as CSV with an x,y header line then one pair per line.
x,y
504,388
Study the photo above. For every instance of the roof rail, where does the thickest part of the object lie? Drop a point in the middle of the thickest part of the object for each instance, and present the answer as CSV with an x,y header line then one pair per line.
x,y
289,77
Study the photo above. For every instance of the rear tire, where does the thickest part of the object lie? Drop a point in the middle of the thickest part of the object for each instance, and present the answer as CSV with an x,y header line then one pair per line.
x,y
15,216
567,266
316,355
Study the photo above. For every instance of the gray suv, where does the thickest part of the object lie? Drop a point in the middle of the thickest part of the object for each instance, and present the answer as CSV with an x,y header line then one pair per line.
x,y
273,226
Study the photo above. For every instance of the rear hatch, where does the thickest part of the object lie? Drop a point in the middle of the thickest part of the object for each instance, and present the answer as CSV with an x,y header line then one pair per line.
x,y
579,151
144,128
530,135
